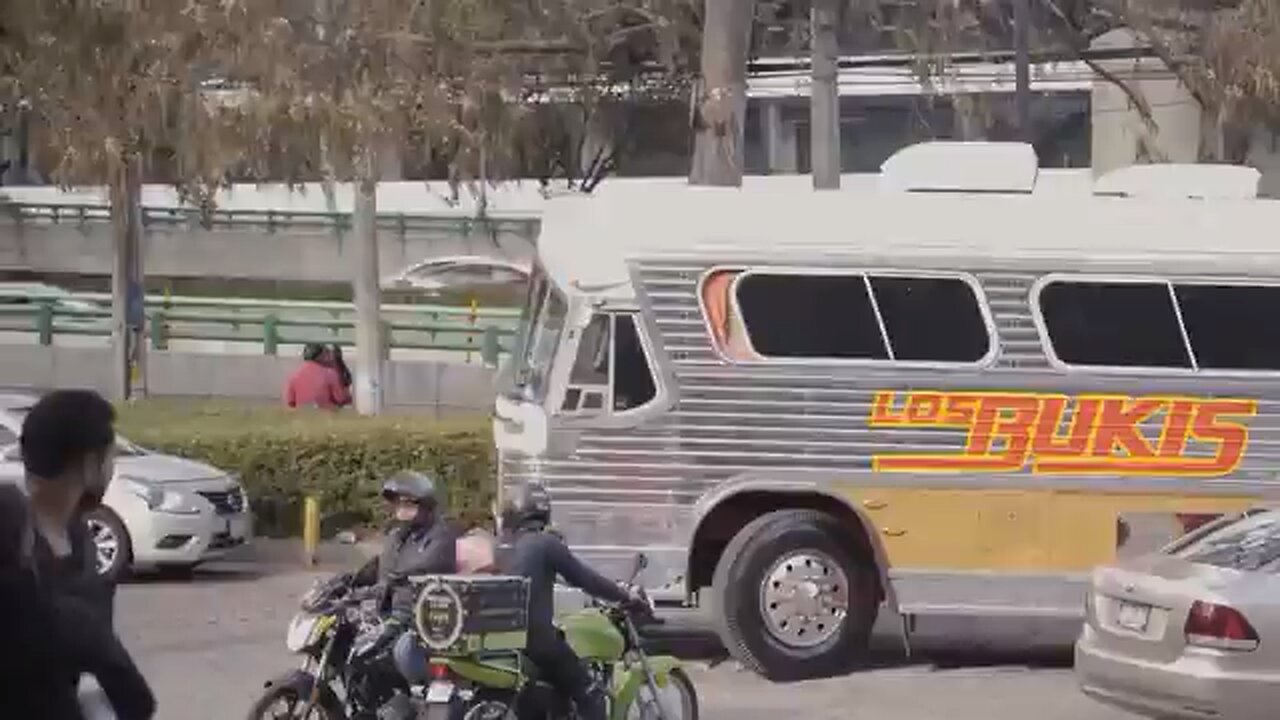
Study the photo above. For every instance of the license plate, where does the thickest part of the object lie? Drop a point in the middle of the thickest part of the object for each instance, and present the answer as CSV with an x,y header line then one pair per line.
x,y
440,692
1132,616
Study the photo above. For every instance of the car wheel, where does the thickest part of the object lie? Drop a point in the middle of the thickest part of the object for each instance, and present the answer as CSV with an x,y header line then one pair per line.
x,y
113,551
794,601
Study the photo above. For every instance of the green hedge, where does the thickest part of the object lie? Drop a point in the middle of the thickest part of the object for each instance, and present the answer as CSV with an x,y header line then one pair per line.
x,y
283,455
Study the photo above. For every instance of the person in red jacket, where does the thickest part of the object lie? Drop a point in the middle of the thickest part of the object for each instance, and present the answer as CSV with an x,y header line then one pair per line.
x,y
316,383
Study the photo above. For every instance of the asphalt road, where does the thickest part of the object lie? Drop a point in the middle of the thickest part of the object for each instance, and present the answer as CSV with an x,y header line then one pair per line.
x,y
208,643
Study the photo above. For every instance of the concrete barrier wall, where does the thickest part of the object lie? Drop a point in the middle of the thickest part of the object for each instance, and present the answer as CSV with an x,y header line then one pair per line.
x,y
290,252
432,388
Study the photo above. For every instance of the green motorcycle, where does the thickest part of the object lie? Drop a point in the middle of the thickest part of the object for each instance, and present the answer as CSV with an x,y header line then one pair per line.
x,y
474,628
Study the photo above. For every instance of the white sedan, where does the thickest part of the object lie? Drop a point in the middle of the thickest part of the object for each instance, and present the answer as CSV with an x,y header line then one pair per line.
x,y
1189,633
160,511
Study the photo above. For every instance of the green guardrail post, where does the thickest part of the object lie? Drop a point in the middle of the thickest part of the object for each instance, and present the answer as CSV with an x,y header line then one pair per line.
x,y
44,323
270,335
159,331
489,347
388,339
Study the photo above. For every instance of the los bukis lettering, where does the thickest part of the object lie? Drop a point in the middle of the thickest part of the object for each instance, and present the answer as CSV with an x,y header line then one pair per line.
x,y
1058,434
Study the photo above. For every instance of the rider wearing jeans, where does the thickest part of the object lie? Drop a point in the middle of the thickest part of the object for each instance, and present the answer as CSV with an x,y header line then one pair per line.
x,y
419,543
528,549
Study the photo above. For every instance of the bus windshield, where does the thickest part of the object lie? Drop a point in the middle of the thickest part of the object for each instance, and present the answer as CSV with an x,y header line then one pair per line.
x,y
541,325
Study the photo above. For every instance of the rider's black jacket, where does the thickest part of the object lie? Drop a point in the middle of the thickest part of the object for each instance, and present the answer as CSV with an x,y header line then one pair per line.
x,y
410,550
541,556
60,613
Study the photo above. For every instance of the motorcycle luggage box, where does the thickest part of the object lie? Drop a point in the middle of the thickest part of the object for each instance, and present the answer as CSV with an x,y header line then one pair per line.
x,y
460,615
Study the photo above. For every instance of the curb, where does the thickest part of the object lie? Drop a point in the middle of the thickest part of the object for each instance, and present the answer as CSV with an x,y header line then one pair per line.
x,y
288,552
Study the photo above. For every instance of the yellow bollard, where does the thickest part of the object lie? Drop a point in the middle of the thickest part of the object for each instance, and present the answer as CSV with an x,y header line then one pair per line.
x,y
310,529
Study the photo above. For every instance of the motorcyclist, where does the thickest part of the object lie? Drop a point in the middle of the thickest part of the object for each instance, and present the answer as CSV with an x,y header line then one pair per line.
x,y
530,549
420,542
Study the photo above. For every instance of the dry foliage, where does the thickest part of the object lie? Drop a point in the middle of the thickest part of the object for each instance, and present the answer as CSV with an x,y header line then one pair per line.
x,y
198,91
110,83
1227,52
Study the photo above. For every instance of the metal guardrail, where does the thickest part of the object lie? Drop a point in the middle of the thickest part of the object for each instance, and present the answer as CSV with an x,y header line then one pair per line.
x,y
47,319
502,317
82,214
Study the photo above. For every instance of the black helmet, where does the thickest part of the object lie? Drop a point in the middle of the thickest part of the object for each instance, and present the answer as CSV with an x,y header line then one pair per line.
x,y
411,485
529,504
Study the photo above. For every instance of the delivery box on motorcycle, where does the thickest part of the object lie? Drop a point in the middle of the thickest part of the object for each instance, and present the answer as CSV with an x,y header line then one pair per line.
x,y
470,614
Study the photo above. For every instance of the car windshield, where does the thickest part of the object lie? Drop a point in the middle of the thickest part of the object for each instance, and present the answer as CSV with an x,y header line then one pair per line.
x,y
124,448
541,325
1250,543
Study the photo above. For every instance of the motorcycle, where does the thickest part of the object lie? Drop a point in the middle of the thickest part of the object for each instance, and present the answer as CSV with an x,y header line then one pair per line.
x,y
489,686
346,671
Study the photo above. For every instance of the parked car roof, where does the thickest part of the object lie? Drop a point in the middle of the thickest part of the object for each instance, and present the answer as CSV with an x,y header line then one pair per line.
x,y
17,401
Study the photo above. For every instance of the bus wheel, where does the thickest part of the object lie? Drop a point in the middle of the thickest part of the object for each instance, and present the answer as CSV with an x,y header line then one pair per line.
x,y
792,599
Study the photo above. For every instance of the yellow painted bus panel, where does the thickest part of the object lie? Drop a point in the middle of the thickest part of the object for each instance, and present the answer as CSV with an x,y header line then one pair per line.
x,y
1031,530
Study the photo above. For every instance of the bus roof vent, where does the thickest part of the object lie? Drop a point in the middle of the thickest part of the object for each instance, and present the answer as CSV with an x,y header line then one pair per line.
x,y
1179,181
994,167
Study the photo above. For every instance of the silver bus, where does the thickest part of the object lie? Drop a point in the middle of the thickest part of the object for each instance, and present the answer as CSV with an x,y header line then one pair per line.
x,y
952,388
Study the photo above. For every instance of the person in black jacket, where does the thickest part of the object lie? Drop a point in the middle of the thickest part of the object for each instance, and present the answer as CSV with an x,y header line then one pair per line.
x,y
28,687
531,550
68,453
420,542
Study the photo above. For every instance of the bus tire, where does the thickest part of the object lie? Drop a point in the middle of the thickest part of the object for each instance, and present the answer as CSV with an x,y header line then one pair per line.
x,y
761,553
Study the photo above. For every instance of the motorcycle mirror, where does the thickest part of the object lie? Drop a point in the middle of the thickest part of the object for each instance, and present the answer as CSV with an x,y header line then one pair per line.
x,y
642,562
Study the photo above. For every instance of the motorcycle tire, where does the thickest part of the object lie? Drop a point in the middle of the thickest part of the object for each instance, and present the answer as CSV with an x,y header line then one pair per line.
x,y
291,695
681,683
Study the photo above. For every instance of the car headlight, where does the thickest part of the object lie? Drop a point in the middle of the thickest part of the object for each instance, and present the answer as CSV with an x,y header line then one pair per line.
x,y
160,499
238,489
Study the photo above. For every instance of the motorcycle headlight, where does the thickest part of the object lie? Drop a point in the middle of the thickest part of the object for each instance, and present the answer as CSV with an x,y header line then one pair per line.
x,y
301,630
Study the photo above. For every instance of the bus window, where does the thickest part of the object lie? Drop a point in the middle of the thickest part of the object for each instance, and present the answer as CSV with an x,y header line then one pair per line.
x,y
1113,324
931,319
727,331
1231,327
1159,324
592,364
856,316
633,384
612,362
589,378
810,316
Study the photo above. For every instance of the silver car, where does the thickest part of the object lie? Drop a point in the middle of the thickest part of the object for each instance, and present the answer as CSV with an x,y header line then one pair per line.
x,y
159,511
1192,631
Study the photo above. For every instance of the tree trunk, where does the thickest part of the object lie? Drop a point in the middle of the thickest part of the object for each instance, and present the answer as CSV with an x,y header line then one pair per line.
x,y
367,291
1022,69
720,97
128,299
390,159
824,96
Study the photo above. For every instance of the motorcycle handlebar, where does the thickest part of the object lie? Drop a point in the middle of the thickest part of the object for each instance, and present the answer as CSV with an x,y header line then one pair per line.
x,y
638,611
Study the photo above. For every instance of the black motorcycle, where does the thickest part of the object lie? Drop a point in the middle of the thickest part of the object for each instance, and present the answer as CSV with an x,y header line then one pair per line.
x,y
347,672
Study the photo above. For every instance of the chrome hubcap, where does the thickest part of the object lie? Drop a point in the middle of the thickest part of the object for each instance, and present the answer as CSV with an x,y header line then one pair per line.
x,y
105,543
804,598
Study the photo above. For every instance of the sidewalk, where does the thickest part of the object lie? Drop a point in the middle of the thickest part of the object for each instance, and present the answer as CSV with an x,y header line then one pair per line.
x,y
287,553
